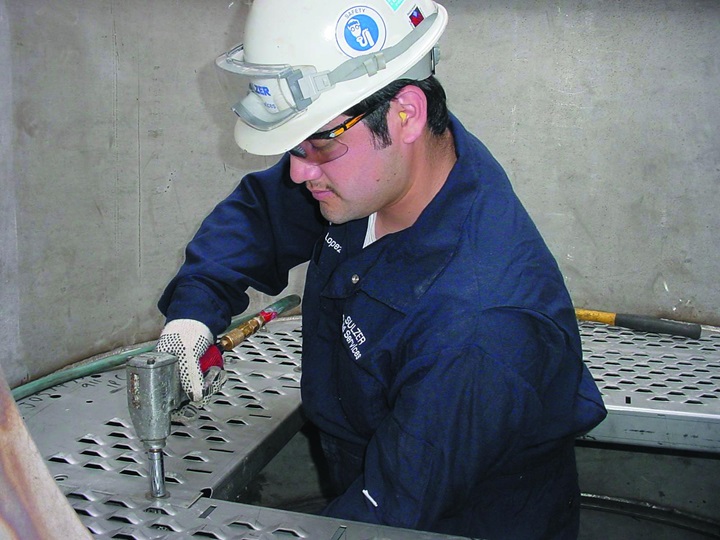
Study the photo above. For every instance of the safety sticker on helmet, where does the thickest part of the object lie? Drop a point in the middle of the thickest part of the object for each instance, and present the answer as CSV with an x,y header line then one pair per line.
x,y
395,4
360,30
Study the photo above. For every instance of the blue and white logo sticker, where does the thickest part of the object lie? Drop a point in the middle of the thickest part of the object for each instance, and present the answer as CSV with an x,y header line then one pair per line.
x,y
360,30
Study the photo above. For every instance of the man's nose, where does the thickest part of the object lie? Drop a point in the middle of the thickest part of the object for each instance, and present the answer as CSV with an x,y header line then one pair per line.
x,y
302,170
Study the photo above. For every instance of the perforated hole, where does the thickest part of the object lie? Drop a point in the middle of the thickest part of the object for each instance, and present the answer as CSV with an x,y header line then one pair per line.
x,y
156,510
242,525
121,519
164,527
96,466
205,534
195,458
202,471
221,450
78,496
286,533
122,446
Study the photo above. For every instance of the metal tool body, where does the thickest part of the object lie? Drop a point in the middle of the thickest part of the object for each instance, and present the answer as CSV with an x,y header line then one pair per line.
x,y
153,392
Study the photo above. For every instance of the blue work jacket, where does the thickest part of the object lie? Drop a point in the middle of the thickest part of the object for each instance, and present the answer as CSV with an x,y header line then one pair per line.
x,y
443,363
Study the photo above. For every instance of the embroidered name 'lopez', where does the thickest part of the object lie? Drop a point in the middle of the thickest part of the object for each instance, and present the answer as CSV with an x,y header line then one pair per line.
x,y
332,243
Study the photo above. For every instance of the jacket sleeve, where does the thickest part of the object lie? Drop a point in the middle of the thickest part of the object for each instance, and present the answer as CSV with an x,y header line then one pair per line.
x,y
459,418
253,238
423,459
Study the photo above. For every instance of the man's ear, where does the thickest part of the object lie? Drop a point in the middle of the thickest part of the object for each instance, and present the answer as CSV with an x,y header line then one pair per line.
x,y
409,109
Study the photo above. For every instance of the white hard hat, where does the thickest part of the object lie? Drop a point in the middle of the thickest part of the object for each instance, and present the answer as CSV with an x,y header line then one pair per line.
x,y
304,62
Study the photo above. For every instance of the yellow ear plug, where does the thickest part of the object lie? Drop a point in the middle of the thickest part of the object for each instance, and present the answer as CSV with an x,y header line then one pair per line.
x,y
403,116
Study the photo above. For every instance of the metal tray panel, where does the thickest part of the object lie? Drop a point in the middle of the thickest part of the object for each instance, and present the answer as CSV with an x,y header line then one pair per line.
x,y
132,518
84,432
659,390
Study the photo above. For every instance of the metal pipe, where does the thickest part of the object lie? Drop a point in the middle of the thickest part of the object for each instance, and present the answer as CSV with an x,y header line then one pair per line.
x,y
31,503
652,512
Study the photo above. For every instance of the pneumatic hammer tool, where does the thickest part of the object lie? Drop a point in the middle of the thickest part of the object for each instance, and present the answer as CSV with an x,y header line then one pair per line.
x,y
153,393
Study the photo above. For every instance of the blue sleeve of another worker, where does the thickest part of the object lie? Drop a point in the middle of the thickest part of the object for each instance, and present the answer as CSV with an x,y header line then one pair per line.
x,y
267,226
457,418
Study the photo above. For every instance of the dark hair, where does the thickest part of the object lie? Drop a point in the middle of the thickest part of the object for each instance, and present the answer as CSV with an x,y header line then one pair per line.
x,y
379,104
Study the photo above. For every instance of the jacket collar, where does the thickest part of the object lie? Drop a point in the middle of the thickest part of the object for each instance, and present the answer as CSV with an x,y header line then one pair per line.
x,y
399,268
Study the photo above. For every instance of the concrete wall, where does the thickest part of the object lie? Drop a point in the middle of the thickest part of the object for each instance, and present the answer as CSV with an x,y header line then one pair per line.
x,y
116,141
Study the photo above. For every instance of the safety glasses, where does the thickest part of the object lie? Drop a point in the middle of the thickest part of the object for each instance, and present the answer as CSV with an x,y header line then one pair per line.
x,y
324,146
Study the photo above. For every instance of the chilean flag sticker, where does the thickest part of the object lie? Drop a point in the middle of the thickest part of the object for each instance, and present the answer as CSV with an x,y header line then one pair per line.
x,y
416,16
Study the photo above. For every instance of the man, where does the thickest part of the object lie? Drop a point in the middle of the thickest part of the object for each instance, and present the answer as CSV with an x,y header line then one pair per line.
x,y
441,356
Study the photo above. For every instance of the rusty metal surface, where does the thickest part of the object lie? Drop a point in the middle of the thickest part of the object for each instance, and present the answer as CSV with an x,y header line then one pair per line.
x,y
31,505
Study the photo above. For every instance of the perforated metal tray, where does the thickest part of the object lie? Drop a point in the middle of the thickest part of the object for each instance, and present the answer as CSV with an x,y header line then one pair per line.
x,y
131,518
83,428
659,390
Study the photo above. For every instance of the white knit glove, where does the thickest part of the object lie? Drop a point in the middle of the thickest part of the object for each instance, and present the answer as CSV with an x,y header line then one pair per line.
x,y
189,340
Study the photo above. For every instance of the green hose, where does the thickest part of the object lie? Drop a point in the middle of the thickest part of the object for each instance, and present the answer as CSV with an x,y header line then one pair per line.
x,y
115,360
69,374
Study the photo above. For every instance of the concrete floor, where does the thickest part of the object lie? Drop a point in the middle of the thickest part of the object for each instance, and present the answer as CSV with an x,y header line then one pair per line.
x,y
670,485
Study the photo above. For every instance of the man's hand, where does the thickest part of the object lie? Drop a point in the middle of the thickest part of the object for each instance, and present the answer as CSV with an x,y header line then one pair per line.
x,y
200,362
